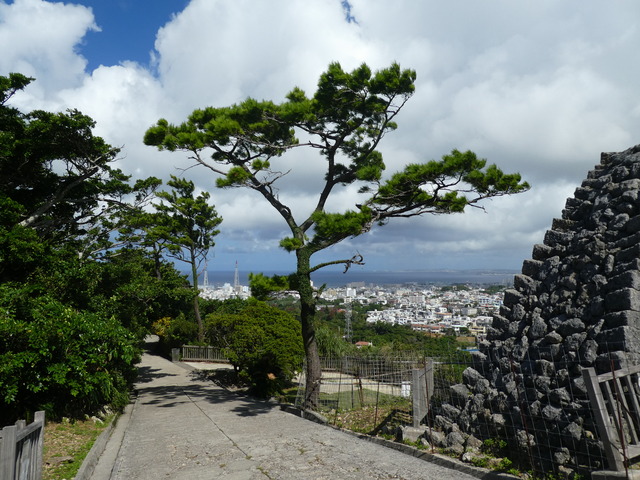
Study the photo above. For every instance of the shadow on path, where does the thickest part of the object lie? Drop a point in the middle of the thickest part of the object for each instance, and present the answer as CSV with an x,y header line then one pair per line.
x,y
198,389
148,374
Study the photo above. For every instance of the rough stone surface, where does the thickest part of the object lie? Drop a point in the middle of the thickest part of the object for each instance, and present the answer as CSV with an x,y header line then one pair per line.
x,y
576,304
409,434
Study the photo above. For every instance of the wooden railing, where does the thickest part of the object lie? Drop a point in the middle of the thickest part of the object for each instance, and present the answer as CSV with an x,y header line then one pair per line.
x,y
195,353
615,401
21,449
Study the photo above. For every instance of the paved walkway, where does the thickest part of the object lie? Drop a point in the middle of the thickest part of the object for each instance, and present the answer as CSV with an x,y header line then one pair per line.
x,y
183,427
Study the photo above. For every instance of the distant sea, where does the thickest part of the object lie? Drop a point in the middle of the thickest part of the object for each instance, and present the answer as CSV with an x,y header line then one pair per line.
x,y
335,278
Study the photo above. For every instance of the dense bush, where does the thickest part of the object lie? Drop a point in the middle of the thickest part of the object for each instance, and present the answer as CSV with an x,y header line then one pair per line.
x,y
175,332
331,343
58,359
262,342
122,286
75,296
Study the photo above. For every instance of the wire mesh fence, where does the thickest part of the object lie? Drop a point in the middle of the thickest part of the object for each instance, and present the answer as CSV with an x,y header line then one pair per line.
x,y
377,394
525,412
357,392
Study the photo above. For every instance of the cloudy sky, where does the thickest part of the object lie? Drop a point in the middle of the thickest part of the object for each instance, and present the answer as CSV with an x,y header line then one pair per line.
x,y
539,88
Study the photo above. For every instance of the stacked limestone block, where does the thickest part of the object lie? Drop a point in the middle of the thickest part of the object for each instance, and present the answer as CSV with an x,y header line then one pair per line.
x,y
576,304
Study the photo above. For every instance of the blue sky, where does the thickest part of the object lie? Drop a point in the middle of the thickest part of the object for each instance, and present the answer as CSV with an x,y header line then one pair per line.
x,y
540,88
127,29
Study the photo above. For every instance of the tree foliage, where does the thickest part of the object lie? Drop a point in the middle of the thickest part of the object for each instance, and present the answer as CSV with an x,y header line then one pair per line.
x,y
187,222
56,358
344,121
122,286
187,225
263,287
331,343
73,304
261,341
57,177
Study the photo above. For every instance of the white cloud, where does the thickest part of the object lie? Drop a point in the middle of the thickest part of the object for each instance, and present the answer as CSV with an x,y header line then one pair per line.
x,y
537,88
220,52
39,39
562,118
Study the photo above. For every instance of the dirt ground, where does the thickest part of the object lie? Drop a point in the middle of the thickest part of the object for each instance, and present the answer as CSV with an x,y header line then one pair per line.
x,y
66,444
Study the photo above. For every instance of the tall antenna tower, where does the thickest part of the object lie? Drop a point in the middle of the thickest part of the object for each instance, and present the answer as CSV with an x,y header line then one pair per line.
x,y
347,321
205,280
236,280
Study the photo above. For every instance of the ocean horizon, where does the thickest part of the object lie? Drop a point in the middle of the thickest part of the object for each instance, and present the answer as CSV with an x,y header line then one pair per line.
x,y
333,278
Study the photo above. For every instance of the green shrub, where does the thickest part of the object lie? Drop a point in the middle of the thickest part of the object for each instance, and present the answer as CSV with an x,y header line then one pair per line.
x,y
175,332
61,360
330,343
262,342
181,331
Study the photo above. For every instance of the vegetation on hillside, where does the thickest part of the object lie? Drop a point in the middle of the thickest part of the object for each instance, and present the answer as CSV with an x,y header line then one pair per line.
x,y
385,338
76,297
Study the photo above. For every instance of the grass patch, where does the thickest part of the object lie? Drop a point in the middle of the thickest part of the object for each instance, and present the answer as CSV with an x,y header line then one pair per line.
x,y
369,420
67,443
288,395
361,398
357,411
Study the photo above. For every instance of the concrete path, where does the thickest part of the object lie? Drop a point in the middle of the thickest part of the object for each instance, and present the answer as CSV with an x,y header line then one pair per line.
x,y
183,427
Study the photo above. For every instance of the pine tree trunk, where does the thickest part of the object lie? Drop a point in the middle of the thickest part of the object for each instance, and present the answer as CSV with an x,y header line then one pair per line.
x,y
307,317
157,262
196,303
196,312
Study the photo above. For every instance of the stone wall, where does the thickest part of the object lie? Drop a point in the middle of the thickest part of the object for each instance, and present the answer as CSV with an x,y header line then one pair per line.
x,y
576,304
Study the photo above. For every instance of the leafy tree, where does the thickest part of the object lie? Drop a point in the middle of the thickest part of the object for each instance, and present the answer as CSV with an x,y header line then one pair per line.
x,y
493,289
262,287
261,341
136,296
175,332
58,187
229,305
330,342
456,287
188,225
56,358
55,171
72,310
123,286
344,121
144,229
125,210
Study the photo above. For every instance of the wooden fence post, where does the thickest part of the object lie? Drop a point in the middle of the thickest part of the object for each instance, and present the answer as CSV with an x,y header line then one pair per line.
x,y
39,457
25,461
8,452
607,431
